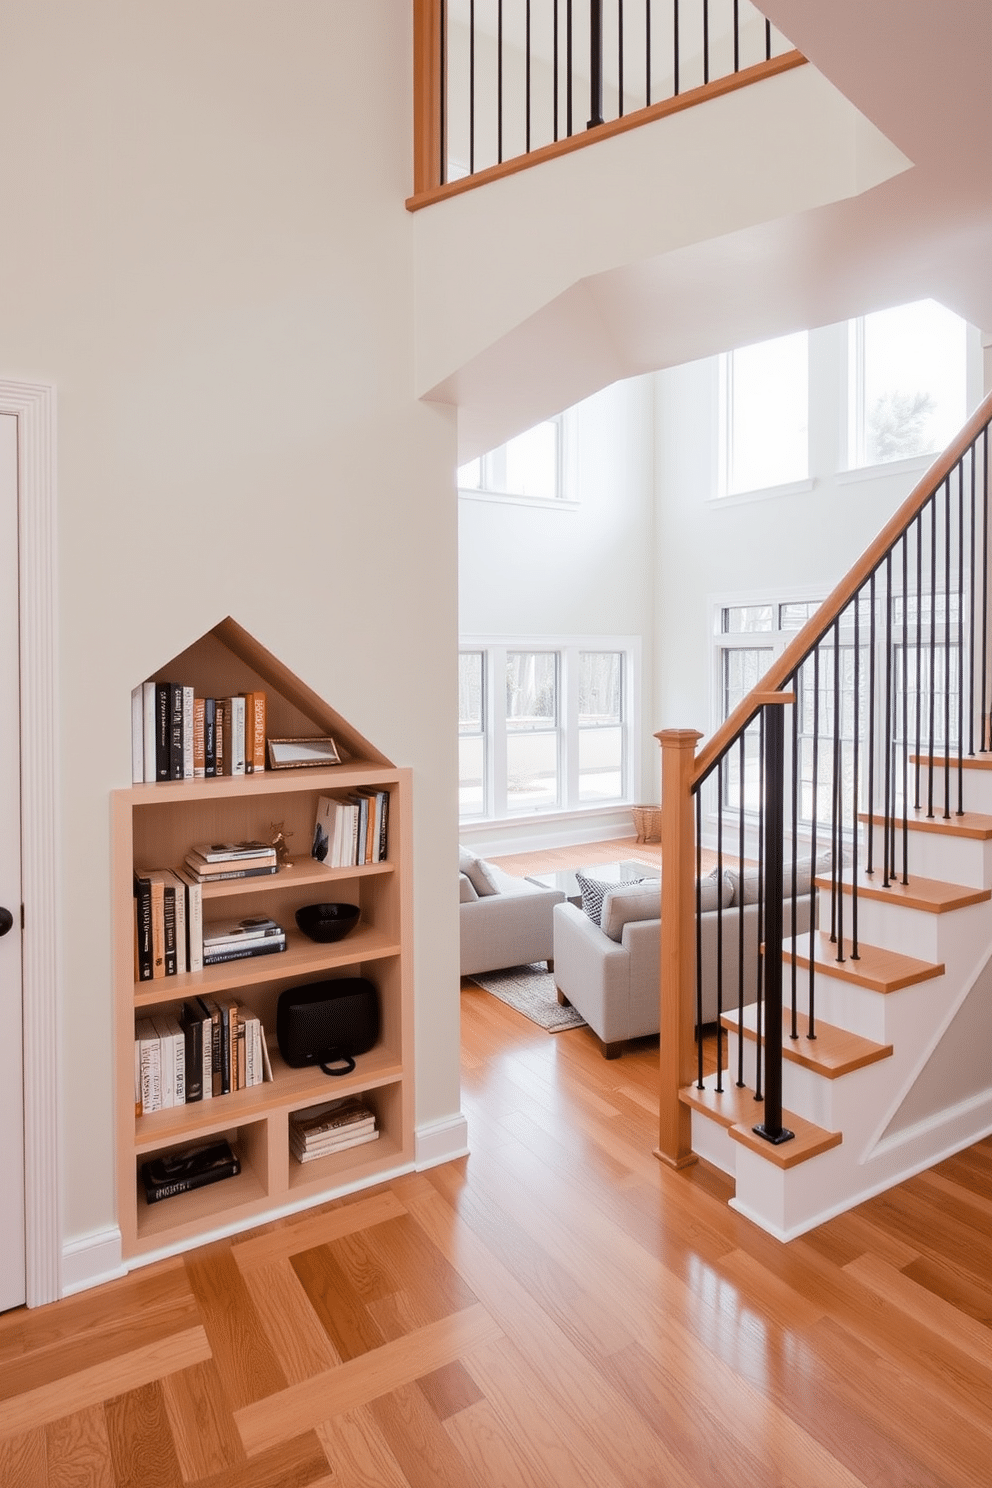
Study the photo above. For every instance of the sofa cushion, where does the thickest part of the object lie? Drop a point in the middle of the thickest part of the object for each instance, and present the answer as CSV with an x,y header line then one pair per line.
x,y
592,891
467,891
479,873
746,885
630,901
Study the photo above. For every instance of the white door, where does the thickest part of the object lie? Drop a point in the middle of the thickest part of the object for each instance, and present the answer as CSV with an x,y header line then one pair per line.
x,y
12,1289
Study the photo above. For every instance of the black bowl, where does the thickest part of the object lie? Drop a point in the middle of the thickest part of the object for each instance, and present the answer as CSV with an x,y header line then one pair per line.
x,y
326,922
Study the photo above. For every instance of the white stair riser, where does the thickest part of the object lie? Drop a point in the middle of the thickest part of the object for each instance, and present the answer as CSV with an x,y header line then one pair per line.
x,y
976,788
930,937
835,1104
844,1004
711,1142
963,860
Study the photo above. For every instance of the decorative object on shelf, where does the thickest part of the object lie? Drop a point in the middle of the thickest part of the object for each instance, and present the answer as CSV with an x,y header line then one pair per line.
x,y
327,1023
292,754
280,841
193,1167
327,922
647,823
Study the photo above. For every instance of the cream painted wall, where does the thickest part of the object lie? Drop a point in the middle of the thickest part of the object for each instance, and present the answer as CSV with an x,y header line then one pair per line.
x,y
219,284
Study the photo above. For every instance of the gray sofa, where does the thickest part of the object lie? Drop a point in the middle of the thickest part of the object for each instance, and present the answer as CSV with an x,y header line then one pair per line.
x,y
503,920
610,971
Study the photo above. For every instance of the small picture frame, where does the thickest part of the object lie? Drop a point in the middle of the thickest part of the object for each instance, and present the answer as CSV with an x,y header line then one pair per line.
x,y
294,754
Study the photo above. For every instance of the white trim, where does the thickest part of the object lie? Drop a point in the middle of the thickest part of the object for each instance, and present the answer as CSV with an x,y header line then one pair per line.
x,y
764,493
549,503
90,1260
33,404
915,464
441,1141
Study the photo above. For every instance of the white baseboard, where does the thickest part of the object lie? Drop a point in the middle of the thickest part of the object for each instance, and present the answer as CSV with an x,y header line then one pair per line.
x,y
440,1141
91,1259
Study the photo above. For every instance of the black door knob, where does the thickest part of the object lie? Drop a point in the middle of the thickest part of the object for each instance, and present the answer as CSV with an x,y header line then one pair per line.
x,y
6,920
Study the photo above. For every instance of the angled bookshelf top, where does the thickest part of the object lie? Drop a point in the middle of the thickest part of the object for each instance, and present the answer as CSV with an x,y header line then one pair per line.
x,y
228,660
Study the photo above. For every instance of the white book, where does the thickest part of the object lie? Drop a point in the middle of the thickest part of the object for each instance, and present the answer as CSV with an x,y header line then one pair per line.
x,y
303,1157
137,736
234,709
147,1037
167,1058
187,733
194,919
178,1038
148,717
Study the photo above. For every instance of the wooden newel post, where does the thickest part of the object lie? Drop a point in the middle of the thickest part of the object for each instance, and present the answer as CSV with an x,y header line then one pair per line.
x,y
429,62
678,943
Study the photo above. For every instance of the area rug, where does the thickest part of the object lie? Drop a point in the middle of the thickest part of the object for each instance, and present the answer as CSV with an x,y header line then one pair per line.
x,y
531,991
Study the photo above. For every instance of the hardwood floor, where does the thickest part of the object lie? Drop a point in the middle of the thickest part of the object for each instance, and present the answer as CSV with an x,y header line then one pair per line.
x,y
556,1309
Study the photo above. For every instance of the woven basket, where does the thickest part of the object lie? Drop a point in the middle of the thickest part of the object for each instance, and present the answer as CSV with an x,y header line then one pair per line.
x,y
647,823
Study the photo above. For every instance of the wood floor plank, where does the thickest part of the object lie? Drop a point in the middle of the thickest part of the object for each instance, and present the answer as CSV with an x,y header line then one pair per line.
x,y
911,1300
78,1451
92,1386
359,1454
297,1463
315,1228
141,1445
241,1350
360,1380
301,1346
337,1304
449,1390
495,1454
23,1460
199,1413
418,1441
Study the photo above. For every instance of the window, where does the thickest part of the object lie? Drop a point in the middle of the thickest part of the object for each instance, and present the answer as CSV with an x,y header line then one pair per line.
x,y
528,466
558,733
764,405
907,392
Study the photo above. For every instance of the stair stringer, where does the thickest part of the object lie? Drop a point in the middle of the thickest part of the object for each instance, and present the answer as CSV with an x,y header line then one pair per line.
x,y
864,1103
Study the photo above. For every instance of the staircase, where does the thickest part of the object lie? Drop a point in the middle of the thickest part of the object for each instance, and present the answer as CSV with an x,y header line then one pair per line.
x,y
886,1046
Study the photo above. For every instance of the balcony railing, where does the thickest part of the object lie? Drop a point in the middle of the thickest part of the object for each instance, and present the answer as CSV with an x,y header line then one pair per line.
x,y
500,85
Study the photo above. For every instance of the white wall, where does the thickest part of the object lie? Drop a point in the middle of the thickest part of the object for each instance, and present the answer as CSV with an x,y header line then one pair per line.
x,y
749,547
583,567
219,284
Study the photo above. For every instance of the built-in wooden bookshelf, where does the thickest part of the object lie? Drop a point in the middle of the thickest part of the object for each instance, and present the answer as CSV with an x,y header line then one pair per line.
x,y
153,826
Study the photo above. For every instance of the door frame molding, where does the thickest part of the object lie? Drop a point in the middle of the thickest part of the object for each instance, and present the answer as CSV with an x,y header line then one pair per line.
x,y
33,405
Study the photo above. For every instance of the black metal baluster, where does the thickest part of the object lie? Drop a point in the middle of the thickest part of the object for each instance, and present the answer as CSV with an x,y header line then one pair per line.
x,y
568,67
742,768
620,52
471,88
527,58
947,649
595,63
706,41
835,847
699,936
870,857
887,839
768,41
971,616
554,75
793,973
737,36
919,651
443,99
647,53
811,1032
773,750
838,884
762,947
675,24
856,730
719,926
933,647
499,80
986,724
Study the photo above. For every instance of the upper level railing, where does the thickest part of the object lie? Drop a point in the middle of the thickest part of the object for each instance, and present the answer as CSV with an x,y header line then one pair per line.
x,y
500,85
807,791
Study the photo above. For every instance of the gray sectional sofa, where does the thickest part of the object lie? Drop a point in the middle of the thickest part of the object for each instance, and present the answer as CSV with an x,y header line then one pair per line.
x,y
610,971
503,920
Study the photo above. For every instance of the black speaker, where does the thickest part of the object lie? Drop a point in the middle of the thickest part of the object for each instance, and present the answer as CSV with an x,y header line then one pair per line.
x,y
327,1023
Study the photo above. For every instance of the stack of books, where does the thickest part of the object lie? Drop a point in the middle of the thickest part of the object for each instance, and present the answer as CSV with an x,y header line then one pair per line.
x,y
330,1128
176,735
210,862
186,1168
233,940
168,930
210,1047
351,830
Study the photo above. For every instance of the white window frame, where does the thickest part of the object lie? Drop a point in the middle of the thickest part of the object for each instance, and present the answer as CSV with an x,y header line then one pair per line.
x,y
564,497
568,649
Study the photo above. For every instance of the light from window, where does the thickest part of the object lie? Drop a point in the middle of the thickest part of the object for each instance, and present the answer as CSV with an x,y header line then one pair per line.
x,y
765,411
528,465
907,382
531,730
746,619
471,733
600,725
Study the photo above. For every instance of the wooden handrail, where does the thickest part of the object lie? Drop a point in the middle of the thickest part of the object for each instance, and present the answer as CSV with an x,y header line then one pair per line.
x,y
428,84
818,625
427,188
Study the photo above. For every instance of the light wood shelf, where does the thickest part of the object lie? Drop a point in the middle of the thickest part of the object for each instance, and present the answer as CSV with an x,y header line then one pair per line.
x,y
153,827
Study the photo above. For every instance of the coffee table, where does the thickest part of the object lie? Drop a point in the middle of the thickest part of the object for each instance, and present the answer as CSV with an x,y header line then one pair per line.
x,y
610,873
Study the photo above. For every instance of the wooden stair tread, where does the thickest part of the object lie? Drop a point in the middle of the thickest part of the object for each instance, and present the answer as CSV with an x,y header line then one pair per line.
x,y
832,1053
968,762
739,1112
973,824
876,968
931,895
